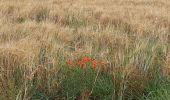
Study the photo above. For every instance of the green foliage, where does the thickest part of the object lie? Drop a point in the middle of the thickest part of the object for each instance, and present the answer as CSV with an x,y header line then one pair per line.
x,y
158,89
100,86
103,87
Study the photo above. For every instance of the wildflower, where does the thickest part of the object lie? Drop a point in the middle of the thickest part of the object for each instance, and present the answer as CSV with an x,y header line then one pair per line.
x,y
86,59
81,63
94,64
69,63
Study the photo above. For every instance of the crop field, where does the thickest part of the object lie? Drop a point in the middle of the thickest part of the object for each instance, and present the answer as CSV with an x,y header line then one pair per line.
x,y
84,49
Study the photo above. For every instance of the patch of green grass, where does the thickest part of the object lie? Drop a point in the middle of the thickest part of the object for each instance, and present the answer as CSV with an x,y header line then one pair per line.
x,y
98,85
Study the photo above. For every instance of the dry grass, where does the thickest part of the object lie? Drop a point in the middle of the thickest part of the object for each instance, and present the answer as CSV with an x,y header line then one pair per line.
x,y
38,36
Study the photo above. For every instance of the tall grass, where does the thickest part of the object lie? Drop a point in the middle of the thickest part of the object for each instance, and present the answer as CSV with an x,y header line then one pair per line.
x,y
130,41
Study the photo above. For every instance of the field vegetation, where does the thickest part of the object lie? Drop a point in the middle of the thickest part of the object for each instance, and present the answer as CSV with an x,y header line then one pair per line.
x,y
84,49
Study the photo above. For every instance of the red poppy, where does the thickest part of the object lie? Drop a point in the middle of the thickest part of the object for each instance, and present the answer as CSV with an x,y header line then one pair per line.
x,y
69,63
94,64
81,63
86,59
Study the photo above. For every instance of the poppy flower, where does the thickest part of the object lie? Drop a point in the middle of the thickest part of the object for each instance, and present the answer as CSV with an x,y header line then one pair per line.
x,y
86,59
94,64
69,63
81,63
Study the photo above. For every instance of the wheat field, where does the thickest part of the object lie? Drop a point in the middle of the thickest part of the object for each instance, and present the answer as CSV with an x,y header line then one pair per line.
x,y
84,49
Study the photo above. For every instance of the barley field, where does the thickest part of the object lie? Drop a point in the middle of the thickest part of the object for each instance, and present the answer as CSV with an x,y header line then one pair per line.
x,y
84,49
